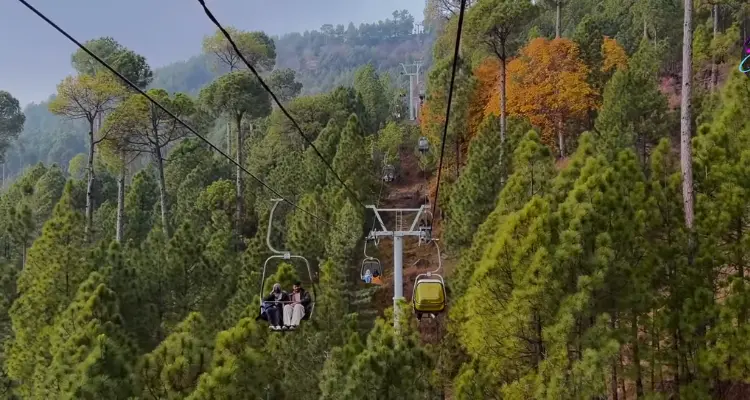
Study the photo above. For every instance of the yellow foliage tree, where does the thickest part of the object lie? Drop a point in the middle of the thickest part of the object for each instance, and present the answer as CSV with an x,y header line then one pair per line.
x,y
486,92
614,55
548,85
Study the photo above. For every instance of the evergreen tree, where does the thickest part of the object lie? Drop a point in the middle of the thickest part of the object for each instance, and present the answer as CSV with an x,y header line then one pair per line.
x,y
336,367
352,162
243,302
368,85
47,285
475,191
91,355
634,114
391,366
306,235
139,205
238,369
172,370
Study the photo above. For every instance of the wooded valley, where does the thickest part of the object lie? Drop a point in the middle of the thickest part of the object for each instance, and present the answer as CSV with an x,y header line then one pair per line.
x,y
589,188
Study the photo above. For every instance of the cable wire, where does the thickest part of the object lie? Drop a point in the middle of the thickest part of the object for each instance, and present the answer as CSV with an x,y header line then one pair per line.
x,y
156,103
226,34
450,99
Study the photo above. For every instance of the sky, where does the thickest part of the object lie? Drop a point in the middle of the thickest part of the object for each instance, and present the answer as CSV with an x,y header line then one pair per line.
x,y
34,57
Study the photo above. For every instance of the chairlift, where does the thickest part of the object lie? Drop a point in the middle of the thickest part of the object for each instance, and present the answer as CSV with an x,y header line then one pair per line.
x,y
429,294
425,226
372,270
389,173
424,145
284,255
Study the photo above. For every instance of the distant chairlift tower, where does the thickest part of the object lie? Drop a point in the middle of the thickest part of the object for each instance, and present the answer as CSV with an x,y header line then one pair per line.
x,y
412,70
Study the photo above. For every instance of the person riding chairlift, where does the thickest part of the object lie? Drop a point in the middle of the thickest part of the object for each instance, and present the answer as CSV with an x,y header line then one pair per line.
x,y
273,306
368,277
376,279
296,309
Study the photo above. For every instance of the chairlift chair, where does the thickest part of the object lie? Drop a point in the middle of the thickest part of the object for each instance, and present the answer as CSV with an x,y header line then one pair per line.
x,y
425,226
284,255
424,145
389,173
371,265
429,294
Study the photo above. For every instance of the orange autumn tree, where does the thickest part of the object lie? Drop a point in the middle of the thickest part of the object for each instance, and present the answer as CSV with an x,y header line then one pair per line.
x,y
487,75
615,57
548,85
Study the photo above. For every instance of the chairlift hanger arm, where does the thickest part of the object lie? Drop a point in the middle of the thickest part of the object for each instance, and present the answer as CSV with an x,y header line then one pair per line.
x,y
385,232
440,259
270,225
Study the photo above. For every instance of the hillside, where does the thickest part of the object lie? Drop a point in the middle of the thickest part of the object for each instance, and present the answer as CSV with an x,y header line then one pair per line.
x,y
591,199
323,60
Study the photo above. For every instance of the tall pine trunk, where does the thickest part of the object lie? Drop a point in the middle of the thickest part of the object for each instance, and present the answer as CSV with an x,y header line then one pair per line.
x,y
240,182
558,5
503,99
90,181
120,229
686,158
613,377
560,138
162,189
637,359
714,66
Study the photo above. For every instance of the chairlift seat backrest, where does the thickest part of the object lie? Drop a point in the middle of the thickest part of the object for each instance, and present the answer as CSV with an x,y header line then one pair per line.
x,y
372,265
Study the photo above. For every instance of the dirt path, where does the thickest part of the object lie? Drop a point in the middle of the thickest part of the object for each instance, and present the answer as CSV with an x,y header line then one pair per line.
x,y
408,191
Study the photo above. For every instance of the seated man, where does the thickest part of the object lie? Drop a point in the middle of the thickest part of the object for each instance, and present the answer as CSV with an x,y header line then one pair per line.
x,y
376,279
368,276
295,311
273,303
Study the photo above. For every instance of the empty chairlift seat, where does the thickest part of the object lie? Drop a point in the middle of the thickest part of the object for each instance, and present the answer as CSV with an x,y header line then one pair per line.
x,y
424,145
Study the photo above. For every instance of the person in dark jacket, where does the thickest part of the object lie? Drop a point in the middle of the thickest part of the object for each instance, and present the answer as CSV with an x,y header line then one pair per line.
x,y
296,309
274,301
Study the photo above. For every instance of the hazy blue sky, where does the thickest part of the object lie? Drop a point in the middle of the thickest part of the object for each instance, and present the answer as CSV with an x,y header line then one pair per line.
x,y
34,57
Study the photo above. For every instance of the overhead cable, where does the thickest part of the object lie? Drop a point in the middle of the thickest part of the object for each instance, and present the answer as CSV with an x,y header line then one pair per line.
x,y
450,99
226,34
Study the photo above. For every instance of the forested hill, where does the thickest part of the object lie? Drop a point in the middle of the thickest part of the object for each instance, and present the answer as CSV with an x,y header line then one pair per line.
x,y
322,60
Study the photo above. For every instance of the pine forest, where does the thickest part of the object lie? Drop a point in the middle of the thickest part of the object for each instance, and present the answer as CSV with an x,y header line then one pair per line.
x,y
581,170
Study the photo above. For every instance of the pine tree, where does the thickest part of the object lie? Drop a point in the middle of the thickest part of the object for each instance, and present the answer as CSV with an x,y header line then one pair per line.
x,y
243,302
533,170
46,285
367,84
352,162
391,366
305,234
634,114
343,238
172,370
476,190
139,205
336,367
91,355
238,369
